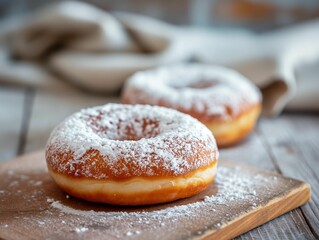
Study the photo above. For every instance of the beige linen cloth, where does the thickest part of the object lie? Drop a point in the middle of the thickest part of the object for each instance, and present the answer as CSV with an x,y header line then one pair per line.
x,y
73,42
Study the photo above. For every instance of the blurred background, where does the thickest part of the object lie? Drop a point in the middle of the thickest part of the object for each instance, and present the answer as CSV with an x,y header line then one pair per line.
x,y
258,15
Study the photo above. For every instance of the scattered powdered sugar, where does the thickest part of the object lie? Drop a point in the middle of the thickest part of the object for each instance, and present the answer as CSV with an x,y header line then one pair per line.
x,y
145,138
232,186
236,193
36,183
205,89
236,187
81,229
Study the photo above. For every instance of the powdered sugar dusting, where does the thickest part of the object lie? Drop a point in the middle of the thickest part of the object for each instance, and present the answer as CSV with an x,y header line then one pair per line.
x,y
204,89
132,140
236,192
234,189
232,186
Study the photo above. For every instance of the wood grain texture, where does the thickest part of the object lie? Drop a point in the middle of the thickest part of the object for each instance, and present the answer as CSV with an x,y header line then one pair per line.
x,y
259,216
11,120
291,225
293,141
28,192
250,151
253,151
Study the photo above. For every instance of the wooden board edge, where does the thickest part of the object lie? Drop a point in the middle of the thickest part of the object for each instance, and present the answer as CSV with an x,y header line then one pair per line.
x,y
296,198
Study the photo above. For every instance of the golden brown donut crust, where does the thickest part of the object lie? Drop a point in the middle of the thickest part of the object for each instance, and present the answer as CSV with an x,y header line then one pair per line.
x,y
159,194
131,155
231,131
228,105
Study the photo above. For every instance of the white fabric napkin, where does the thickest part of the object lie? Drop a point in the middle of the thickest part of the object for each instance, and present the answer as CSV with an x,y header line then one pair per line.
x,y
73,42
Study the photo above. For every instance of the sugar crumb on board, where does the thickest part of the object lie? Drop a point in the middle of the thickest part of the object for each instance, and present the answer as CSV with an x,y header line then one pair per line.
x,y
81,229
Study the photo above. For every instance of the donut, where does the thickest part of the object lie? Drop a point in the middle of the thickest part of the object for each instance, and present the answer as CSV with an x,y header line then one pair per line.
x,y
222,99
131,155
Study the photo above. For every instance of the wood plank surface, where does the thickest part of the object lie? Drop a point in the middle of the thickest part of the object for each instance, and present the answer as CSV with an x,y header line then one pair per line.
x,y
253,151
11,121
33,207
293,141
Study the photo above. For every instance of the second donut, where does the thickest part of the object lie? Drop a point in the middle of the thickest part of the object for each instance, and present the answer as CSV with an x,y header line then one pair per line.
x,y
225,101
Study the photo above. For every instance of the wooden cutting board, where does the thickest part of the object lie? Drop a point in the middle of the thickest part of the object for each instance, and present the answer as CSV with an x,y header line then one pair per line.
x,y
241,198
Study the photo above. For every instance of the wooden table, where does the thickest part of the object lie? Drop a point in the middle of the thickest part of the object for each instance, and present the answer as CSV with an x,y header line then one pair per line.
x,y
288,144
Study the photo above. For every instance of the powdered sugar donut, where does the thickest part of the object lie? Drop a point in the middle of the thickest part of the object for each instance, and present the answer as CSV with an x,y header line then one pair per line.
x,y
225,101
131,155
